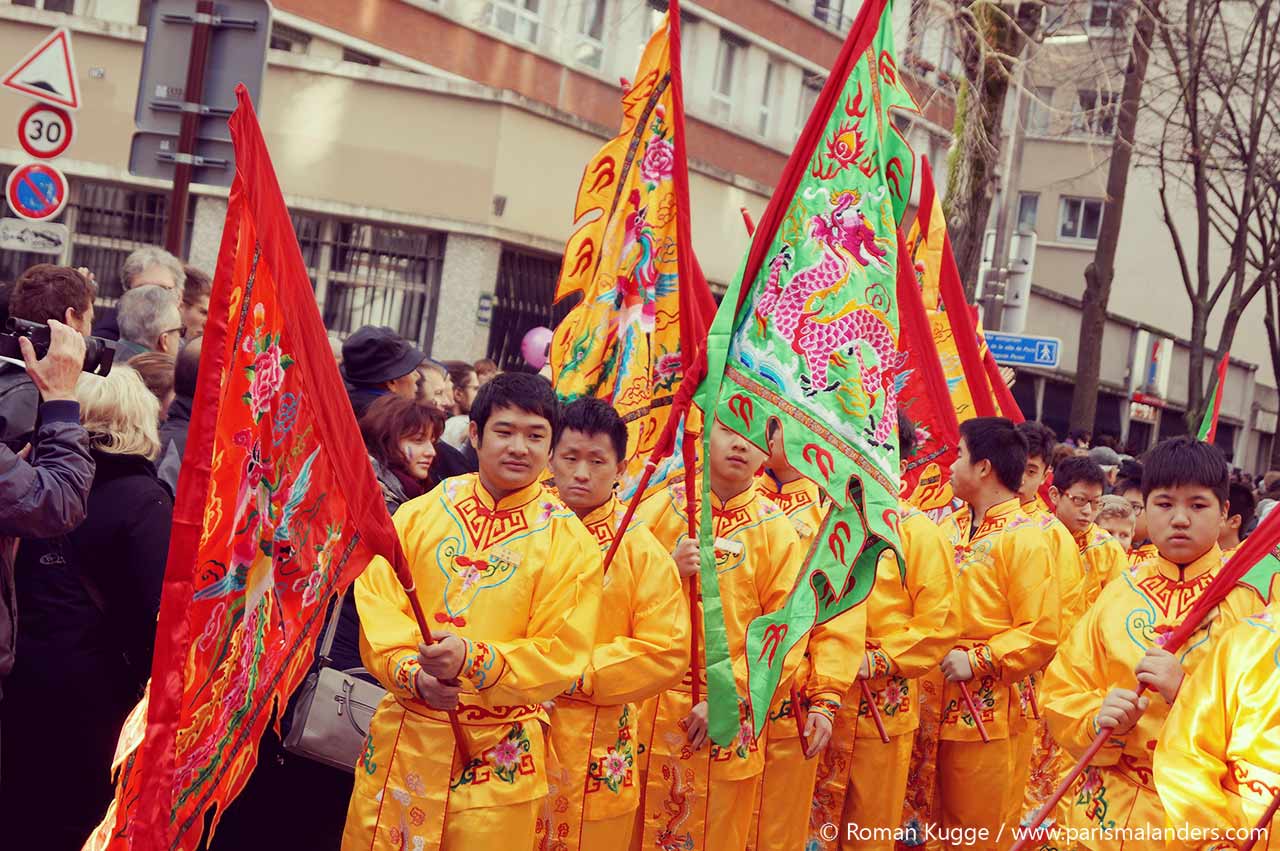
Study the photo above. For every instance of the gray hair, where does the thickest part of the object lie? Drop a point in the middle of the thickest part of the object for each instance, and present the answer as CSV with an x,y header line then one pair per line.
x,y
151,255
146,312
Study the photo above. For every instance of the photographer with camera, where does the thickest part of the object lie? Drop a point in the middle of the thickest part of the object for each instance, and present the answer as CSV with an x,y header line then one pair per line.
x,y
43,292
46,494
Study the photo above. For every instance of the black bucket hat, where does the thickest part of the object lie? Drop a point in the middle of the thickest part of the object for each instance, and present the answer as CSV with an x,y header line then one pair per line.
x,y
376,354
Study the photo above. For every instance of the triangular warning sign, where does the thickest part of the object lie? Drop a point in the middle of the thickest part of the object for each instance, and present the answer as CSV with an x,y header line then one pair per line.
x,y
48,72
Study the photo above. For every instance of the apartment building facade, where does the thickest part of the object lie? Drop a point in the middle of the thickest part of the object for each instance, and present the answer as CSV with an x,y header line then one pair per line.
x,y
430,150
1072,91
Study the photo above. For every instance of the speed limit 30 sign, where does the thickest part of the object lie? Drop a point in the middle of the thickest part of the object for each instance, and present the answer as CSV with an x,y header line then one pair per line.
x,y
45,131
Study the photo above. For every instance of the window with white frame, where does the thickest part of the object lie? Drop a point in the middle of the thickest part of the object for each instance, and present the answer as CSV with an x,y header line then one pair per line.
x,y
726,72
835,13
768,95
948,59
1095,112
519,19
1028,207
1080,219
288,39
1039,110
810,88
1106,14
589,49
68,6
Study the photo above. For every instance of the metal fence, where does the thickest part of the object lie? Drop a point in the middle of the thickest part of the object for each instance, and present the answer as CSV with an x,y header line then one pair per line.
x,y
372,274
525,289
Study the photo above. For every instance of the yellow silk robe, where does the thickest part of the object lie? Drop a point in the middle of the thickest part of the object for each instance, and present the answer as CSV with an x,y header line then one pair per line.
x,y
1007,588
1068,570
519,580
825,675
1103,558
1138,555
642,648
1101,653
1217,764
698,800
913,620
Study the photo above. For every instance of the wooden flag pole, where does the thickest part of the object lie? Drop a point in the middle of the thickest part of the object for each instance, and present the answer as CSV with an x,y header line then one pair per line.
x,y
406,581
973,710
875,710
1262,824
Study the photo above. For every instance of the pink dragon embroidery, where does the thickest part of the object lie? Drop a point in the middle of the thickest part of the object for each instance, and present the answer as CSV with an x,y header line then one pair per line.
x,y
846,238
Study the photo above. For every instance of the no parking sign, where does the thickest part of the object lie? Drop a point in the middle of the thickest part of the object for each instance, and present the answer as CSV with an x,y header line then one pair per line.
x,y
36,191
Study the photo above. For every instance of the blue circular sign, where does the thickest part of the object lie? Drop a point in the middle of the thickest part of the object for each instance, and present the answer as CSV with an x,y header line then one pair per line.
x,y
36,191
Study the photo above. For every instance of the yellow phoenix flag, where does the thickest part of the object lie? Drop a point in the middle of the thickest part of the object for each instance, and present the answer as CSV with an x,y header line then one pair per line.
x,y
622,342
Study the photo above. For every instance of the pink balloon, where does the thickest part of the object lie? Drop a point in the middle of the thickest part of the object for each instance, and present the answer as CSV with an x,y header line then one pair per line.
x,y
536,346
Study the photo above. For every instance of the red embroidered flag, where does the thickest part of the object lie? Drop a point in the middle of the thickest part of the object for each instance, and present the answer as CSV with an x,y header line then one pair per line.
x,y
274,516
923,393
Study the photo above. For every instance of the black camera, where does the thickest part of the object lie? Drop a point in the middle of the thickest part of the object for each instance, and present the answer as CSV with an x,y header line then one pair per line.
x,y
98,353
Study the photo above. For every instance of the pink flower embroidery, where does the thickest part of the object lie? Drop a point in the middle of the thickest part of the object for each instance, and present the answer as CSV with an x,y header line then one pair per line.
x,y
615,766
659,161
506,754
259,313
667,366
547,509
268,377
470,577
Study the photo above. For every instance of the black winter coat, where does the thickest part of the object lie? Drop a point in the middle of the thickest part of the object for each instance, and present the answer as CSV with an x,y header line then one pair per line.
x,y
89,599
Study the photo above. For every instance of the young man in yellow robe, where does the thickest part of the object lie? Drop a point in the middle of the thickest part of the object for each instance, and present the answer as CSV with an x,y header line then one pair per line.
x,y
1240,506
1141,548
1217,764
1076,494
1078,485
1068,571
642,644
781,817
1034,740
913,620
511,581
1091,684
699,796
1010,621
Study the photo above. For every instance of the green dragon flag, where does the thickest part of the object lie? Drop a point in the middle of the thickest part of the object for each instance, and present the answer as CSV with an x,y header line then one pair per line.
x,y
807,336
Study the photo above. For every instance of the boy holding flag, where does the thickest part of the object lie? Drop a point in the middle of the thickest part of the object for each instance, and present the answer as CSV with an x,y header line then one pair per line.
x,y
642,642
698,795
913,620
1090,685
1010,622
515,578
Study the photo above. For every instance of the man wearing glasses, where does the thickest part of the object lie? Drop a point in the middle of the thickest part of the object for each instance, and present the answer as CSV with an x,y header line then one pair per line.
x,y
1077,490
150,321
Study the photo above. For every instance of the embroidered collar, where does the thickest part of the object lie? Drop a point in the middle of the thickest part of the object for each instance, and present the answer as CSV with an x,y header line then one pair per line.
x,y
603,520
510,502
1086,536
997,517
735,503
1206,564
771,485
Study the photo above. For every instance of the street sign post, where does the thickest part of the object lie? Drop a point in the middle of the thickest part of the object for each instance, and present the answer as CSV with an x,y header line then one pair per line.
x,y
36,191
1024,349
45,131
48,72
196,53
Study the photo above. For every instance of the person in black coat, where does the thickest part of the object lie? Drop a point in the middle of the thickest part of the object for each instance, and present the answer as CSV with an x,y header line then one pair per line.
x,y
88,601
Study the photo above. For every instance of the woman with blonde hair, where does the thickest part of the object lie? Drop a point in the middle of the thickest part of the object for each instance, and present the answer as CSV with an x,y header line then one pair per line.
x,y
89,601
